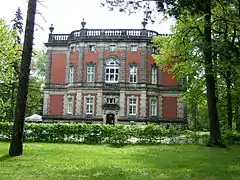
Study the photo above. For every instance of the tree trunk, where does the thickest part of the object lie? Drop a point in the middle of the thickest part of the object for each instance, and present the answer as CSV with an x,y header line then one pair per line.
x,y
237,118
16,146
215,134
229,99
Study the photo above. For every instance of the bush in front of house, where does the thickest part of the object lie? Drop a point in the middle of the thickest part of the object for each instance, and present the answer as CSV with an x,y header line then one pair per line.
x,y
116,135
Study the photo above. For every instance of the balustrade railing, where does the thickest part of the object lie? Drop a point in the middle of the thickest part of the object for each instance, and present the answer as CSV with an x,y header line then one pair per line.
x,y
103,33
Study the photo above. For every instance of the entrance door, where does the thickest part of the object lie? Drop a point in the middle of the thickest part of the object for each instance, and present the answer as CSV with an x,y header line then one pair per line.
x,y
110,119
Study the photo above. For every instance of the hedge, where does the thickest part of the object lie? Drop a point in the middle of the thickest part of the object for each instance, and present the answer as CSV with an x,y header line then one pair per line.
x,y
117,135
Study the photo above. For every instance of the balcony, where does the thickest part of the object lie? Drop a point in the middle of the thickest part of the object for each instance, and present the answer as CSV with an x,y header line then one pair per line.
x,y
110,106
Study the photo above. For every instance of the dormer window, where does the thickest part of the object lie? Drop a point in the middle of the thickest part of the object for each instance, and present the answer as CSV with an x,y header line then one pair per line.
x,y
134,48
112,48
72,48
92,48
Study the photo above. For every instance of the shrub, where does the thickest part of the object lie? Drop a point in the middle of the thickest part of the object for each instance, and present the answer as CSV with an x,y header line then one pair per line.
x,y
115,135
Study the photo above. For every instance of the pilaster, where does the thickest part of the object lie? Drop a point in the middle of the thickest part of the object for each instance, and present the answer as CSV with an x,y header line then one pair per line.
x,y
143,99
46,101
80,63
143,64
79,102
48,67
65,101
67,66
100,64
99,102
122,104
122,73
160,106
180,108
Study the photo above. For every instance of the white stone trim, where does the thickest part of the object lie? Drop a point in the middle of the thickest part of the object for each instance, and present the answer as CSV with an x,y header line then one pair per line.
x,y
170,95
57,92
99,103
67,67
137,105
62,49
79,103
85,104
46,101
143,99
65,102
122,104
72,97
160,106
180,108
150,105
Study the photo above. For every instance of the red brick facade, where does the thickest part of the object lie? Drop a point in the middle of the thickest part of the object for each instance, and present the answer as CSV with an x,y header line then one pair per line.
x,y
158,100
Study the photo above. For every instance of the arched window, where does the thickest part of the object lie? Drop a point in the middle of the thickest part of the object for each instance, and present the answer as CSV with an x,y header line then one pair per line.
x,y
112,71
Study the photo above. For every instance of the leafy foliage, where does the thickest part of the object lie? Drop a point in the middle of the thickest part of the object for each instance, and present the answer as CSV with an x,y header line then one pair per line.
x,y
117,136
10,54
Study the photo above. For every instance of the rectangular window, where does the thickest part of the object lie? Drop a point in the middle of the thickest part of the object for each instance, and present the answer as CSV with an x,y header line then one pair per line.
x,y
132,106
112,48
71,74
89,105
133,74
92,48
154,75
134,48
70,105
90,73
72,48
153,107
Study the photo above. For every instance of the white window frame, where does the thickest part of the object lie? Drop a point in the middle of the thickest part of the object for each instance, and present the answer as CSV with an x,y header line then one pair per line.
x,y
70,105
71,74
91,72
92,47
154,75
112,71
132,106
72,48
112,48
133,74
153,107
89,104
134,48
111,100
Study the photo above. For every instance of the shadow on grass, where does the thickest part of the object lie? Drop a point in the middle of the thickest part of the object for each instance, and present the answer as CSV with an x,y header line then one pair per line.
x,y
4,157
190,162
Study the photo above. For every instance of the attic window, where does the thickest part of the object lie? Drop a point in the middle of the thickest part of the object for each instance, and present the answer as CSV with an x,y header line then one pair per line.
x,y
92,47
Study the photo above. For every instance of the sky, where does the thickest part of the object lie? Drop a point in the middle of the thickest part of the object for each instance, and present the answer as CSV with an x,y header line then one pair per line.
x,y
67,15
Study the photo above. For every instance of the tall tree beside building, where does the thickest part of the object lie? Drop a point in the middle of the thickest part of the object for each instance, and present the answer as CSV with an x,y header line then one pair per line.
x,y
176,9
18,24
16,146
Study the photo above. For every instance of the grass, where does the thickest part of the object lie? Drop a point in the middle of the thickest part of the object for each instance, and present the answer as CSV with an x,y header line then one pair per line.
x,y
72,161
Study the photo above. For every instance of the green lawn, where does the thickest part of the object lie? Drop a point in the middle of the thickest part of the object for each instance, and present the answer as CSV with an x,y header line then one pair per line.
x,y
71,161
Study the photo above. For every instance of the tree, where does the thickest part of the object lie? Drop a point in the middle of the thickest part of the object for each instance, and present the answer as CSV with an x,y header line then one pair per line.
x,y
176,9
35,96
9,56
18,24
39,62
18,27
16,146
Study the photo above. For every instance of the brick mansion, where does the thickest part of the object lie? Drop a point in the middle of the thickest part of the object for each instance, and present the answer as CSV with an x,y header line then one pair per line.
x,y
108,76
